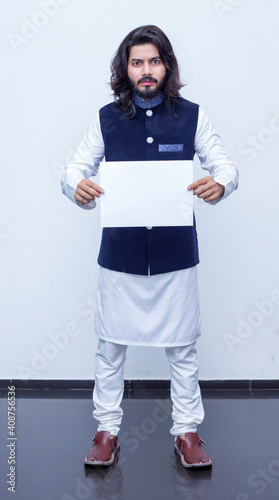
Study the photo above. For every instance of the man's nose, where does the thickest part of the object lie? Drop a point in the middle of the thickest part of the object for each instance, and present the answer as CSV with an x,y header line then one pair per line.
x,y
146,69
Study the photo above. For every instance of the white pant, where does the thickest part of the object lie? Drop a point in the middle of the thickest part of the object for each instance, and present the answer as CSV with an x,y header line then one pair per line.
x,y
109,386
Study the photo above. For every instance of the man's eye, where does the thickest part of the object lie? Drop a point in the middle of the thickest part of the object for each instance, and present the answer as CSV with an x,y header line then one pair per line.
x,y
156,61
136,63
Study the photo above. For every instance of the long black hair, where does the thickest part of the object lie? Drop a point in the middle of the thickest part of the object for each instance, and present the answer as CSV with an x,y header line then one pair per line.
x,y
120,84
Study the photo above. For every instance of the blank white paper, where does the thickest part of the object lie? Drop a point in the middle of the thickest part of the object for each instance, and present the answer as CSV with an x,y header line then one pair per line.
x,y
146,193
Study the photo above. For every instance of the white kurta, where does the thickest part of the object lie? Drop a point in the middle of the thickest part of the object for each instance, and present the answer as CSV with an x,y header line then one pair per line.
x,y
157,310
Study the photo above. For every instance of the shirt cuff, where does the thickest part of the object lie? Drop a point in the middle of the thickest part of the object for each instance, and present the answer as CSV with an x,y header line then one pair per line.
x,y
229,188
69,191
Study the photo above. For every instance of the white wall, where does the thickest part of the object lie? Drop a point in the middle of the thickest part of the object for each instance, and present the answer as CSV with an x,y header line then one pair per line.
x,y
55,79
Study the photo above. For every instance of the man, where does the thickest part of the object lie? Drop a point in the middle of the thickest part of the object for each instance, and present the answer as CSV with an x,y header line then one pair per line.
x,y
147,278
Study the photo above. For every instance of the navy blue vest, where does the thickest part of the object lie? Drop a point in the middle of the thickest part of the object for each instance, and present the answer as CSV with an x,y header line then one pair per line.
x,y
164,249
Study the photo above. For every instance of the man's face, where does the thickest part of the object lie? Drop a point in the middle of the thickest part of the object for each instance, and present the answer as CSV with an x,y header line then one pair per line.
x,y
146,70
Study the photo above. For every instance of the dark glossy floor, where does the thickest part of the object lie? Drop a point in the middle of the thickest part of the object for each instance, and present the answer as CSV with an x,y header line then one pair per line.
x,y
54,430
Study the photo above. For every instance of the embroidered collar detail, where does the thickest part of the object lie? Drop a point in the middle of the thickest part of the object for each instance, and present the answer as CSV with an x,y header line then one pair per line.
x,y
147,104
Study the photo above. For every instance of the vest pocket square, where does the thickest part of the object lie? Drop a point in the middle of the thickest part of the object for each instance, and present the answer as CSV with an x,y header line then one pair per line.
x,y
170,148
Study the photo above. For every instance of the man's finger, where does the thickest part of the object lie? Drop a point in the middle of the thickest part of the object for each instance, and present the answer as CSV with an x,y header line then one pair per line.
x,y
87,191
82,200
200,182
84,195
206,188
91,186
206,193
197,184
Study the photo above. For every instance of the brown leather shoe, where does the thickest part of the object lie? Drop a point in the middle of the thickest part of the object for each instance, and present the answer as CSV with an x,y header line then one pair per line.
x,y
191,452
104,451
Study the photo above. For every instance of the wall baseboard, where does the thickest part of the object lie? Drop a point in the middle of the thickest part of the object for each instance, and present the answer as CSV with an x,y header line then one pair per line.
x,y
146,385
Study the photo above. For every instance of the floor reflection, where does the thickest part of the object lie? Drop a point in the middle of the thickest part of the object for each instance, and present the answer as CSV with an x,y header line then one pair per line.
x,y
106,483
188,484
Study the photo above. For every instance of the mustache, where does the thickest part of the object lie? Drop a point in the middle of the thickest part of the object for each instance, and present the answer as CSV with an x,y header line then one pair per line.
x,y
147,79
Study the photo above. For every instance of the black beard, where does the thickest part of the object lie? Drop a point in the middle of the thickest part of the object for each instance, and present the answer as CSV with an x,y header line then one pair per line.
x,y
147,93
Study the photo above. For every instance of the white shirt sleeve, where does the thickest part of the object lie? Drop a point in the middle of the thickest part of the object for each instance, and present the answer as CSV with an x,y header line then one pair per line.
x,y
213,156
85,162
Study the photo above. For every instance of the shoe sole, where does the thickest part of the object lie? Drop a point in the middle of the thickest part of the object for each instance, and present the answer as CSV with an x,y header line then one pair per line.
x,y
191,466
114,458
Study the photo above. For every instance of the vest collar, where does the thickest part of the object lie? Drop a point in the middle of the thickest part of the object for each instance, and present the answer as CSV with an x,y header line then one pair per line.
x,y
151,103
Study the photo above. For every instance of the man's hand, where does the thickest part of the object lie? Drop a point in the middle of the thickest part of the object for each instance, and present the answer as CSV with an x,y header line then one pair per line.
x,y
87,191
207,189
